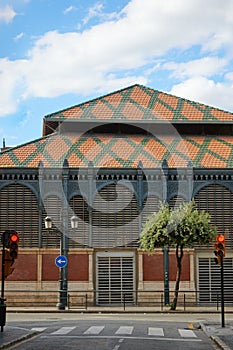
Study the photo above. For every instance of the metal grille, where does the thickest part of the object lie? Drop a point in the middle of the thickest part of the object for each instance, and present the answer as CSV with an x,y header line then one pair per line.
x,y
150,205
209,280
218,201
115,278
51,238
175,202
79,237
19,211
115,218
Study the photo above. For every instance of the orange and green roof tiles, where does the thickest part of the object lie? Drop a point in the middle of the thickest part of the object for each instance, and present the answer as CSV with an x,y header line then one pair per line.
x,y
135,103
122,151
140,103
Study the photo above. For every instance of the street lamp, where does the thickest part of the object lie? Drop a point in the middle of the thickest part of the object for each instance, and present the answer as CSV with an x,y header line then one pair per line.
x,y
63,273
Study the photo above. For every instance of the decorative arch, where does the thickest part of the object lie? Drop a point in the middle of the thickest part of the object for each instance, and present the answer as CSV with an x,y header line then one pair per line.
x,y
25,184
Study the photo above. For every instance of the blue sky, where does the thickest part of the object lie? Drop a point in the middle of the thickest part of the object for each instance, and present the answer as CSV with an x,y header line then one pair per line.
x,y
58,53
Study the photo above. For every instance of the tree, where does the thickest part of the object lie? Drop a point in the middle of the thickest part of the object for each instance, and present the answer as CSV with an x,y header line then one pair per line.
x,y
179,227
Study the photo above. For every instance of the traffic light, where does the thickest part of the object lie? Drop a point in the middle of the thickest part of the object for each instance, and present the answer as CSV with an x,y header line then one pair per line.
x,y
11,251
220,249
13,245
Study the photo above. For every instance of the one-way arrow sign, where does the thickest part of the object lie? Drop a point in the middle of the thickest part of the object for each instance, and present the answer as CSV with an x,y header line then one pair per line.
x,y
61,261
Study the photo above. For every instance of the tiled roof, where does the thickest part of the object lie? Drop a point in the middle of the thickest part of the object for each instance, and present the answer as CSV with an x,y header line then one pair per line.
x,y
122,151
140,103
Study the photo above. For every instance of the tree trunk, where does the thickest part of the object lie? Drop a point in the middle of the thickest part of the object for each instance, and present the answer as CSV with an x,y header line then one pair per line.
x,y
179,256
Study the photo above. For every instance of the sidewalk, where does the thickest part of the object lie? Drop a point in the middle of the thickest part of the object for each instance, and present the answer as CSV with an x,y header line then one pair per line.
x,y
222,336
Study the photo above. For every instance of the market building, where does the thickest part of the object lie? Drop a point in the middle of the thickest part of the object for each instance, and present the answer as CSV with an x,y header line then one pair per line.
x,y
109,162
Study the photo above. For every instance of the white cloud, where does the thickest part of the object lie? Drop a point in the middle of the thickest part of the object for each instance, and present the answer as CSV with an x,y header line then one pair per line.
x,y
94,11
69,9
206,67
7,14
206,91
115,52
10,85
19,36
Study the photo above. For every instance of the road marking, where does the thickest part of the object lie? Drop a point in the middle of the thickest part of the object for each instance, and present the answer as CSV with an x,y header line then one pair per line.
x,y
124,330
155,331
38,329
126,337
187,333
63,330
94,330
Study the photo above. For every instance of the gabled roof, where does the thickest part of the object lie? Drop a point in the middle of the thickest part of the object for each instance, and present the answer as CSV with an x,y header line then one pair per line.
x,y
105,149
122,151
139,103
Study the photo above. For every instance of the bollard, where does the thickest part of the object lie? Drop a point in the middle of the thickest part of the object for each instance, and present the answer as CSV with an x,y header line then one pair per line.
x,y
2,313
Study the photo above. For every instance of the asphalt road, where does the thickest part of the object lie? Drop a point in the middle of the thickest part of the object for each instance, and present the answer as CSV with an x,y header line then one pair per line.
x,y
112,332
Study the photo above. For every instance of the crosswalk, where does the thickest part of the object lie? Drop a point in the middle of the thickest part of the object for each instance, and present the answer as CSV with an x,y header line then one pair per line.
x,y
97,330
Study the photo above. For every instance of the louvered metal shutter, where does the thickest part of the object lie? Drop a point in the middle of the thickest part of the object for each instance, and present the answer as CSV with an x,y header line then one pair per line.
x,y
51,238
218,201
175,201
209,282
115,218
115,278
79,237
19,211
150,205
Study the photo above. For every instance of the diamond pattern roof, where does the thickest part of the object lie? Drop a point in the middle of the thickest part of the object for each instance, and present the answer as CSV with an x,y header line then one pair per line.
x,y
108,150
141,103
135,103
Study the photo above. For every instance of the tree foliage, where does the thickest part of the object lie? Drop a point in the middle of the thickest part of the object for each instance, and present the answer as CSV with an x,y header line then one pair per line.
x,y
179,227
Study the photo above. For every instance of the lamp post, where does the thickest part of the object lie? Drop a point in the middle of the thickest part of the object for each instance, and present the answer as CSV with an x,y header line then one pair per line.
x,y
63,272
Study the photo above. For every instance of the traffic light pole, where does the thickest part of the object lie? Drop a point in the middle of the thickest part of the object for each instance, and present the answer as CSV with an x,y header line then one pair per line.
x,y
222,293
2,299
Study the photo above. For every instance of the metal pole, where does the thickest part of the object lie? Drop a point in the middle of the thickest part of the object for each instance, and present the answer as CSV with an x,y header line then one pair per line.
x,y
166,275
3,265
222,294
2,300
60,304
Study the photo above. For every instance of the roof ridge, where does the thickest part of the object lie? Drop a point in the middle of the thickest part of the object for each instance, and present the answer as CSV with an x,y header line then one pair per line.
x,y
143,87
94,99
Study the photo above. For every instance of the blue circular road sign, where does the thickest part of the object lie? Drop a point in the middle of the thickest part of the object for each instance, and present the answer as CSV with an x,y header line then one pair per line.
x,y
61,261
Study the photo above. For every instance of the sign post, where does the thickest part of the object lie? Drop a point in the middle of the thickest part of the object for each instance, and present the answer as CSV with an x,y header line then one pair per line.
x,y
222,294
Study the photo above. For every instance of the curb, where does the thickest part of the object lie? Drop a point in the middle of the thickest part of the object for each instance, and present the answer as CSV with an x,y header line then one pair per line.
x,y
219,342
111,311
18,340
215,338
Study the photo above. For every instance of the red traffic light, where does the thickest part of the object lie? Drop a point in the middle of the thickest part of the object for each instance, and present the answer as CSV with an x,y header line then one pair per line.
x,y
14,237
220,239
220,249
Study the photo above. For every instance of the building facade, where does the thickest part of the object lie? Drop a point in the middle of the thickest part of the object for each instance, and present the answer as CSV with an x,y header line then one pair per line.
x,y
110,162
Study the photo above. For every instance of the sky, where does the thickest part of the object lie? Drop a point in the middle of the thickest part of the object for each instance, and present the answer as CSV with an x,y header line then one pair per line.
x,y
58,53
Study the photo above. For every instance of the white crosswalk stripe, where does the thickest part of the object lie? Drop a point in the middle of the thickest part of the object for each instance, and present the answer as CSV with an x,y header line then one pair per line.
x,y
156,331
187,333
63,330
124,330
94,330
39,329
